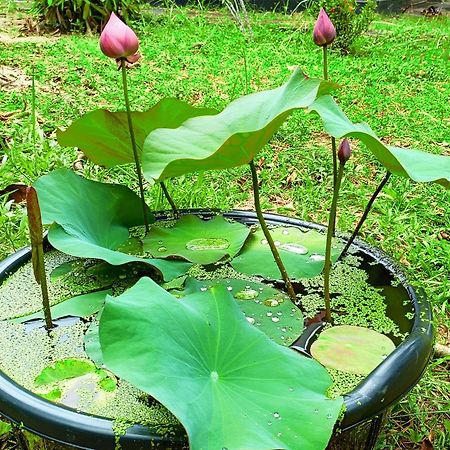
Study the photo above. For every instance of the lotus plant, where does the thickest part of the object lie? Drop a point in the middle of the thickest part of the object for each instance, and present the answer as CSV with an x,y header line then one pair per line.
x,y
214,345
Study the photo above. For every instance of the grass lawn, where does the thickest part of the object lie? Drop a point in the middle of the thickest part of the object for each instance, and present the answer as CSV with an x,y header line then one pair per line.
x,y
396,79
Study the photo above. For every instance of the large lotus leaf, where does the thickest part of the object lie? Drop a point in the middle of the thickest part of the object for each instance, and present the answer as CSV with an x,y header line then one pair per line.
x,y
104,135
302,253
93,219
100,213
351,349
265,307
80,306
82,248
199,241
415,164
228,383
231,138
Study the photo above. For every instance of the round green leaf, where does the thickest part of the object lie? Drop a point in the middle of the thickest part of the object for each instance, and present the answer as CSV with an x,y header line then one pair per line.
x,y
196,240
265,307
351,349
302,253
226,381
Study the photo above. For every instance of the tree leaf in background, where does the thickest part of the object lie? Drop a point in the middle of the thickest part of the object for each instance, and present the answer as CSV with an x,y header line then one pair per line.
x,y
415,164
301,252
196,240
104,136
227,382
231,138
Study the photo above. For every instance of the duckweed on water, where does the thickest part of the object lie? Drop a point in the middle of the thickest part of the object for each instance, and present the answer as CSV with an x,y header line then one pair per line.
x,y
354,301
39,350
342,382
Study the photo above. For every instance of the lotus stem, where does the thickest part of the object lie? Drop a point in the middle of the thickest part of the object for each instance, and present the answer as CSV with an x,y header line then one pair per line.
x,y
268,236
333,139
133,142
365,214
330,232
169,198
37,251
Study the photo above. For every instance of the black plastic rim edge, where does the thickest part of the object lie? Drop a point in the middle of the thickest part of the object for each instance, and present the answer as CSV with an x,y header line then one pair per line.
x,y
383,387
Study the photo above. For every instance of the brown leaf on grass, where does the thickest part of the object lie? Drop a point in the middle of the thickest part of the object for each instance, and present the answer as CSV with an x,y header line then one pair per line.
x,y
290,179
78,164
426,445
441,351
16,192
444,235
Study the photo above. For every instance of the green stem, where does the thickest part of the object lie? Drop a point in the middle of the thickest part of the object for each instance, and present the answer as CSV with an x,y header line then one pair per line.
x,y
333,140
169,198
268,236
325,62
330,230
366,213
133,143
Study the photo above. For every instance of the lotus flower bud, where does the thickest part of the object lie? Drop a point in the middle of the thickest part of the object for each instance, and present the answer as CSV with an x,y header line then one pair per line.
x,y
344,151
324,31
118,40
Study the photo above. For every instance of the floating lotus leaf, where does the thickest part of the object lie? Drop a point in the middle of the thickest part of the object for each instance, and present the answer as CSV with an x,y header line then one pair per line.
x,y
415,164
231,138
226,381
104,136
301,252
196,240
351,349
80,306
93,219
265,307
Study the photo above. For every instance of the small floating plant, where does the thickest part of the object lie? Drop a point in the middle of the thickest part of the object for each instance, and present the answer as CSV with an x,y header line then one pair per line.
x,y
202,313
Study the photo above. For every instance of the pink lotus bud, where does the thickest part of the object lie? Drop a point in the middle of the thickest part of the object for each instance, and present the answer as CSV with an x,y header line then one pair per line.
x,y
117,39
324,31
344,151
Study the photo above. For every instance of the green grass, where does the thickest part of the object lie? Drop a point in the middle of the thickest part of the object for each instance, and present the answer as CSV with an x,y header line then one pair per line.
x,y
396,79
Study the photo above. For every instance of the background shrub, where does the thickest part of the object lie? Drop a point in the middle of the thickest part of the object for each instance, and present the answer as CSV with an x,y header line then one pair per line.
x,y
83,15
349,19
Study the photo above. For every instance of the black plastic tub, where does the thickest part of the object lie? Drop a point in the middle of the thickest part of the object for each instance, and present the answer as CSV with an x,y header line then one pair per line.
x,y
365,405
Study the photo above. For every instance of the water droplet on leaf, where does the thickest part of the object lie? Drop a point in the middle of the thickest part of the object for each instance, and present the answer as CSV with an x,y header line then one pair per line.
x,y
294,248
208,244
246,294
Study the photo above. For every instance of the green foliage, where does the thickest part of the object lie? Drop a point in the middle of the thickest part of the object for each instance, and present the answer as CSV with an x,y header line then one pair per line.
x,y
239,388
302,253
91,219
196,240
83,15
347,20
104,136
231,138
415,164
5,429
268,309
